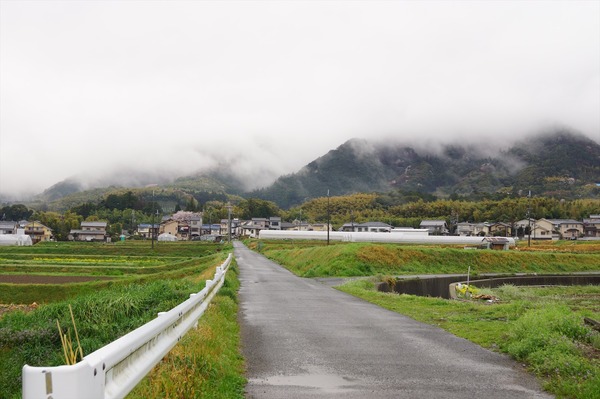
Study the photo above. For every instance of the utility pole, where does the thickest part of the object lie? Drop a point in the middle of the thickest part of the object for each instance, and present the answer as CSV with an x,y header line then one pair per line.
x,y
529,218
152,225
152,230
229,220
328,217
453,222
201,221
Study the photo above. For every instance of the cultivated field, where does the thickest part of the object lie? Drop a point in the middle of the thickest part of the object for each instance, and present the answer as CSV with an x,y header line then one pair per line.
x,y
39,273
112,288
316,259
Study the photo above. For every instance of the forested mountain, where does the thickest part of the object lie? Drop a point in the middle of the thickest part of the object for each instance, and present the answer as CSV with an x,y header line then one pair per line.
x,y
558,164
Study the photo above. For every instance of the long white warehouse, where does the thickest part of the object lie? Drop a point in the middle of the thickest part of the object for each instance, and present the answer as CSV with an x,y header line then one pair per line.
x,y
407,236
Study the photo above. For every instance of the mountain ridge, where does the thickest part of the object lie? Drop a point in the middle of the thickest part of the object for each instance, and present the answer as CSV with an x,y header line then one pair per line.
x,y
552,163
558,163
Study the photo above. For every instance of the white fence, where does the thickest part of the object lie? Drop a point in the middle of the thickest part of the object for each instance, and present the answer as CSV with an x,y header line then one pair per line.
x,y
115,369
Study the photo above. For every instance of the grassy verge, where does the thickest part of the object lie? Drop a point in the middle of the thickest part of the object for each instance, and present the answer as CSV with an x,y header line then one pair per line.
x,y
101,317
542,328
206,363
366,259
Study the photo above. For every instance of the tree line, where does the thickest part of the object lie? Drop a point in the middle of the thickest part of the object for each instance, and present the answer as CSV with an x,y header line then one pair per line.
x,y
126,210
360,208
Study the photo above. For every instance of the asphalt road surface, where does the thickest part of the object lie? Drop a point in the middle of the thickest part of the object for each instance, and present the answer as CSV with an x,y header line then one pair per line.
x,y
304,339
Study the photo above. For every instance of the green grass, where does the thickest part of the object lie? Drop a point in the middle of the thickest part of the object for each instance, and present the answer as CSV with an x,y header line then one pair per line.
x,y
104,310
101,317
47,293
542,328
126,248
366,259
110,267
207,362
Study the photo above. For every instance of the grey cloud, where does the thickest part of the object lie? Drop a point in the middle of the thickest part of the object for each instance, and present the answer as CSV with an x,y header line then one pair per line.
x,y
169,88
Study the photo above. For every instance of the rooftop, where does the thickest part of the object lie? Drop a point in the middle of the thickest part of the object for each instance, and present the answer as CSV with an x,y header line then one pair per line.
x,y
93,224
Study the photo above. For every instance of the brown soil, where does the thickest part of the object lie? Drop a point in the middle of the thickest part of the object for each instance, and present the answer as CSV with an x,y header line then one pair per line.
x,y
35,279
12,307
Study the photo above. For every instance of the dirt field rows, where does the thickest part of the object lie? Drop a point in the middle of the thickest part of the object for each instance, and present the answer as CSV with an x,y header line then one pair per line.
x,y
39,279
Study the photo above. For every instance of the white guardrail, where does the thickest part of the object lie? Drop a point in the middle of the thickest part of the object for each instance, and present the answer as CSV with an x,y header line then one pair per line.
x,y
115,369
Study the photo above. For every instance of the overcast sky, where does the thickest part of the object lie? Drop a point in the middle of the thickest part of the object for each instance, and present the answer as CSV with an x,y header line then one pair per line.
x,y
92,87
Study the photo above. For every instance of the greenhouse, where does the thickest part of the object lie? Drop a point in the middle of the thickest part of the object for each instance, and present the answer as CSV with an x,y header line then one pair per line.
x,y
167,237
15,239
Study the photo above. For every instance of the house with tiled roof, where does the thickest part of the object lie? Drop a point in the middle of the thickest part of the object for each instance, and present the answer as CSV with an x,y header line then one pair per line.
x,y
89,231
8,227
147,230
435,227
37,231
500,229
564,228
591,226
372,227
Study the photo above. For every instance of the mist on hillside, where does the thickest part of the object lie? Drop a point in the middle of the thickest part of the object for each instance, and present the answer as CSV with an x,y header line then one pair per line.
x,y
246,170
256,90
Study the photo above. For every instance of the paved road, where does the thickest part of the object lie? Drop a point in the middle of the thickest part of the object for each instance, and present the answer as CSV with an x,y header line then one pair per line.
x,y
303,339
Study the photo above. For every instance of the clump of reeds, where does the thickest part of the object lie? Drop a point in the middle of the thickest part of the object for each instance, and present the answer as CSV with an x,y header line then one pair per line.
x,y
69,353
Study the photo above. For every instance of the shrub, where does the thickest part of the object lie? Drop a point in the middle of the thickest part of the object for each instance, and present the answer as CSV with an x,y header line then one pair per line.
x,y
547,339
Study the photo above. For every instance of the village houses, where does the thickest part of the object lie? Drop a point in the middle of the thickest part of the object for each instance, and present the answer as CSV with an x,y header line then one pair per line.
x,y
188,226
37,231
435,227
566,229
591,226
89,231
